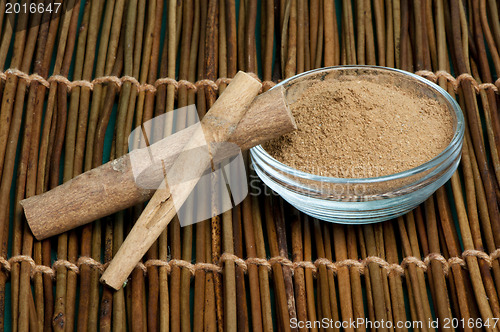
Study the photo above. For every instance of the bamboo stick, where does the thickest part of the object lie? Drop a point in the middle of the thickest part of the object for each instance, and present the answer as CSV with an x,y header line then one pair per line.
x,y
169,50
343,275
11,81
331,276
397,297
443,305
375,275
379,242
253,273
62,273
282,245
278,277
360,32
329,19
241,36
307,46
370,38
313,28
415,251
153,282
300,53
325,293
232,46
265,296
299,278
431,33
285,12
425,35
309,281
199,277
404,61
291,46
230,309
357,296
495,24
389,38
222,43
184,73
241,303
213,283
490,308
348,32
452,248
142,44
107,297
396,8
6,32
97,92
366,272
380,29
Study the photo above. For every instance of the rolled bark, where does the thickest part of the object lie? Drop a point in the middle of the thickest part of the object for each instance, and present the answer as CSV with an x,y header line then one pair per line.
x,y
216,127
112,187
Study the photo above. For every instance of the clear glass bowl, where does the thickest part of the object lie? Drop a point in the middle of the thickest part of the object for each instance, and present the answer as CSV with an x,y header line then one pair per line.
x,y
367,200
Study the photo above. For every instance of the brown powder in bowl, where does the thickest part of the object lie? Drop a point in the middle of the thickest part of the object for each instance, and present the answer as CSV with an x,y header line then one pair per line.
x,y
360,129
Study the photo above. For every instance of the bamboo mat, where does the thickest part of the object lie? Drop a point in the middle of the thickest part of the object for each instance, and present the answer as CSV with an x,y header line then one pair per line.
x,y
73,86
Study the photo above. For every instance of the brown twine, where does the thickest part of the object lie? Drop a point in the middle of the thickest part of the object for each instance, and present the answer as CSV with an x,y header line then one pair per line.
x,y
456,82
399,269
118,81
434,77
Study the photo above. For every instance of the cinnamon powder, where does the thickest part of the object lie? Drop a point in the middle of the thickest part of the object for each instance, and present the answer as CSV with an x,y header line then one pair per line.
x,y
359,129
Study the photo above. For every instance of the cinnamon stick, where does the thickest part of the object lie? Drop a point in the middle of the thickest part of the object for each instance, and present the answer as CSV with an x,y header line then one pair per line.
x,y
116,177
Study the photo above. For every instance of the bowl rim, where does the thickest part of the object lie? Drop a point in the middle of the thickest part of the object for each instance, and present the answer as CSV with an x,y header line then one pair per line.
x,y
438,159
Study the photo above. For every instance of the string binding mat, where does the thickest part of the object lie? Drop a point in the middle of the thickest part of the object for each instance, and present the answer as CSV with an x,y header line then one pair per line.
x,y
399,269
214,85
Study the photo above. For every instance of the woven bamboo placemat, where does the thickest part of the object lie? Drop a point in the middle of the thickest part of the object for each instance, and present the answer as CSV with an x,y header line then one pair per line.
x,y
74,84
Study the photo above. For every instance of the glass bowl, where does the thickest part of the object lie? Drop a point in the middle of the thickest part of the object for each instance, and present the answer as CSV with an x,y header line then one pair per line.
x,y
364,200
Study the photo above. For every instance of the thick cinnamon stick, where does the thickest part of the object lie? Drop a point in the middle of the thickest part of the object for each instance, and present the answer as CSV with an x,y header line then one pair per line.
x,y
161,209
111,187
